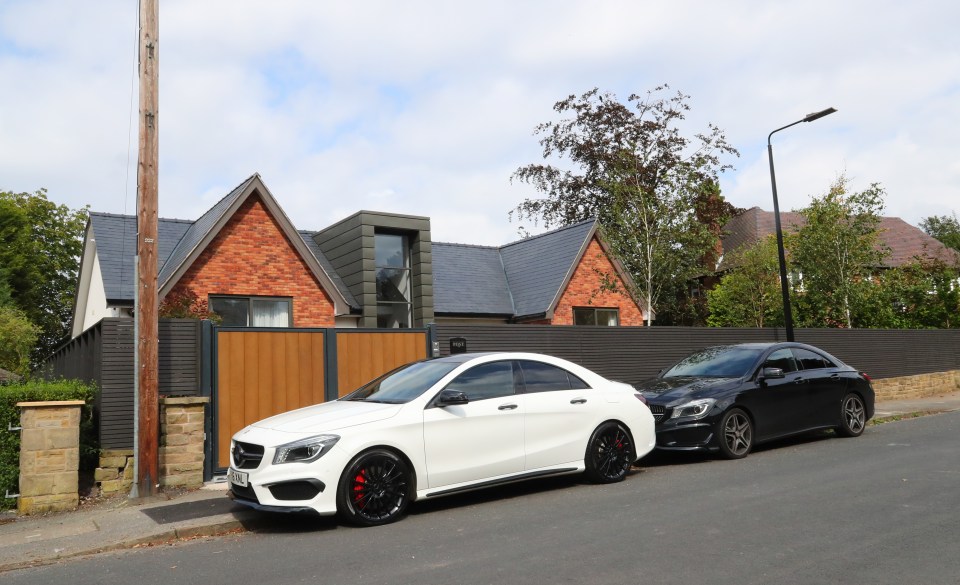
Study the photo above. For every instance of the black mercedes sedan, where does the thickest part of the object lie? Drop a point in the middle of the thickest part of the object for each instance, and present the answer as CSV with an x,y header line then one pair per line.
x,y
729,398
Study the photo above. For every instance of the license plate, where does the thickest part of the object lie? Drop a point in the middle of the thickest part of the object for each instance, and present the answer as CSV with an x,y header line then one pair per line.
x,y
237,477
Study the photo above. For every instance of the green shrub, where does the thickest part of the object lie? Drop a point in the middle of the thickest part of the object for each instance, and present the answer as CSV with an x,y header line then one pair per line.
x,y
38,391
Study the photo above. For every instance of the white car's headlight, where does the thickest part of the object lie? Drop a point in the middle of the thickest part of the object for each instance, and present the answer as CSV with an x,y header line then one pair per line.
x,y
304,450
695,409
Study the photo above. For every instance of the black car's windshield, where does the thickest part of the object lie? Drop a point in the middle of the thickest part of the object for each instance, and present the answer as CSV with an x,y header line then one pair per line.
x,y
716,362
403,384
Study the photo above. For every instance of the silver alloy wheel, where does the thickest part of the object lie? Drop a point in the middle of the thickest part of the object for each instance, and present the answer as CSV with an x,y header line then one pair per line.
x,y
854,414
738,434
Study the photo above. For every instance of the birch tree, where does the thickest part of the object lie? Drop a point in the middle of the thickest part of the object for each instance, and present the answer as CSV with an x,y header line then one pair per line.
x,y
837,252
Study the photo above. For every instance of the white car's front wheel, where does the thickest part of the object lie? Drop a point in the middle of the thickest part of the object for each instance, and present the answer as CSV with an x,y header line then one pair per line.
x,y
375,488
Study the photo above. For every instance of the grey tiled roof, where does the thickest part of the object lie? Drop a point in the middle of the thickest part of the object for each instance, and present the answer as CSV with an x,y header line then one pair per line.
x,y
521,279
537,267
116,238
469,280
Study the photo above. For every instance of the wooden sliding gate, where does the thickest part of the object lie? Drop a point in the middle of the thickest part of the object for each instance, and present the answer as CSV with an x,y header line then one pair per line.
x,y
263,372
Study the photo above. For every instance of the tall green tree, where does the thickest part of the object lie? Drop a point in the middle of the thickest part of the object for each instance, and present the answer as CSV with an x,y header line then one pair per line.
x,y
40,246
945,228
836,252
630,166
749,294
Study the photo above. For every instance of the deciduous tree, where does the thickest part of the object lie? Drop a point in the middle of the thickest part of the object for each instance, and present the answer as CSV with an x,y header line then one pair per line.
x,y
630,166
17,339
749,294
836,252
40,245
945,228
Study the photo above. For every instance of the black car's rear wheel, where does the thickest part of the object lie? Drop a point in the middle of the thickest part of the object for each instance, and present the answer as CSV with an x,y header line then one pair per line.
x,y
853,416
736,434
374,489
609,454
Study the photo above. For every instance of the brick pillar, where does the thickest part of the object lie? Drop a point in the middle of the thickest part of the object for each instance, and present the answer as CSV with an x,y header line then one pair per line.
x,y
49,456
181,441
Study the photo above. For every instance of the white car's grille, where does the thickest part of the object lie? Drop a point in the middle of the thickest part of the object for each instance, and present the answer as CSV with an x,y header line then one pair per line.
x,y
246,455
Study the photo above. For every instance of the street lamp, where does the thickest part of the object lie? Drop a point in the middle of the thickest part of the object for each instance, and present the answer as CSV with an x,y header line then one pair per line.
x,y
784,286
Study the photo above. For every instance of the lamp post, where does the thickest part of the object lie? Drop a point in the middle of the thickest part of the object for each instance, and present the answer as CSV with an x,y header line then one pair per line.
x,y
784,285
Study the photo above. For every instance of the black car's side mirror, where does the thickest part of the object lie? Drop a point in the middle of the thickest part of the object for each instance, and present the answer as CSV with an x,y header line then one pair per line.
x,y
451,397
770,374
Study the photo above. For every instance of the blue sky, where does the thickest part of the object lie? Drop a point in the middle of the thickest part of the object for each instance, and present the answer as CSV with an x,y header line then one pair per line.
x,y
427,108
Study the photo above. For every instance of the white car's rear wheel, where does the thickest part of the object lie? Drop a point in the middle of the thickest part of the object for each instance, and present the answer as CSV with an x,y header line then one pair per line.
x,y
609,453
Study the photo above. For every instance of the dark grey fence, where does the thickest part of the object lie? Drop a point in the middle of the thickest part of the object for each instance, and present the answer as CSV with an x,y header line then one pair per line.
x,y
104,355
632,354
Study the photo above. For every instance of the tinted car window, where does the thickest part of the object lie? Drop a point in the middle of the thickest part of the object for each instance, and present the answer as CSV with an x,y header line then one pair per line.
x,y
783,359
541,377
810,360
491,380
717,362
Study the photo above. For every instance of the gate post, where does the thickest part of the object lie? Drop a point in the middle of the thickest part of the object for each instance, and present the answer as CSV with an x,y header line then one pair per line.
x,y
49,456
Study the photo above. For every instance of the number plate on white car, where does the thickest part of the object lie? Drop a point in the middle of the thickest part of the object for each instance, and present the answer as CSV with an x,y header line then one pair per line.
x,y
237,477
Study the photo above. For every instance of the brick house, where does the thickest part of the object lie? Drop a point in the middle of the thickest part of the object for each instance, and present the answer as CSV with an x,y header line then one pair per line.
x,y
248,262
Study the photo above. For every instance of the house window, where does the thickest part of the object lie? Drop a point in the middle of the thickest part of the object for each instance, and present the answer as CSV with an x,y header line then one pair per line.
x,y
253,311
593,316
392,259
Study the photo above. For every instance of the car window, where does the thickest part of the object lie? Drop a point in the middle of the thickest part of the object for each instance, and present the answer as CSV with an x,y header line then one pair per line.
x,y
491,380
810,360
717,362
403,384
541,377
783,359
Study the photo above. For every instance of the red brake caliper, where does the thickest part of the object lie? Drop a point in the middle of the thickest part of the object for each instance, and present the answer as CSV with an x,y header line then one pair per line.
x,y
358,486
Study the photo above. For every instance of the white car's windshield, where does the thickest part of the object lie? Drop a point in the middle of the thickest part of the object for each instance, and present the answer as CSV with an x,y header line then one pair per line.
x,y
403,384
716,362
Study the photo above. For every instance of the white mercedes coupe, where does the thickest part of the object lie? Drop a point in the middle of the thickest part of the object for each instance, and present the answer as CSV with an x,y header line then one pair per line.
x,y
438,427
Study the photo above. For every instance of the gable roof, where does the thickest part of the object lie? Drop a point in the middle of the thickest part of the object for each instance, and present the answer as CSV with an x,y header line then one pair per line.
x,y
180,243
905,241
523,279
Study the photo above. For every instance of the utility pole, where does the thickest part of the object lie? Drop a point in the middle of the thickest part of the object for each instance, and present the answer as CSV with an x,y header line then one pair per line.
x,y
148,414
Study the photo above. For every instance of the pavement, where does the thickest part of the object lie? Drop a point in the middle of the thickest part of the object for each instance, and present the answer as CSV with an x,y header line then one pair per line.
x,y
123,523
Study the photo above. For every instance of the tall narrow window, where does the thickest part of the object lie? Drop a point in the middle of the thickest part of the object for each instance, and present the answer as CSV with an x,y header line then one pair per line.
x,y
392,258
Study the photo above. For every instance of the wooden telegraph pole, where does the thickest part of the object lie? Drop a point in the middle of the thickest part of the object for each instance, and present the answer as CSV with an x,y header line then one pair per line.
x,y
148,336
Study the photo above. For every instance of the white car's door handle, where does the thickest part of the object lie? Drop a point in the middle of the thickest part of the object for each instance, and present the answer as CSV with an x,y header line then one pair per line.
x,y
506,407
578,401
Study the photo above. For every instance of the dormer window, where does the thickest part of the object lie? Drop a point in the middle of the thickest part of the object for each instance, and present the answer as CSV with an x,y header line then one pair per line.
x,y
392,259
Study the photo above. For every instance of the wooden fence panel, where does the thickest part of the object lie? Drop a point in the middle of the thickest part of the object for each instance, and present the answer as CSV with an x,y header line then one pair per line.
x,y
364,355
263,373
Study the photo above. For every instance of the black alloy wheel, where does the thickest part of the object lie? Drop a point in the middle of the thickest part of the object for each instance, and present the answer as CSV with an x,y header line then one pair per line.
x,y
374,489
610,453
736,434
853,416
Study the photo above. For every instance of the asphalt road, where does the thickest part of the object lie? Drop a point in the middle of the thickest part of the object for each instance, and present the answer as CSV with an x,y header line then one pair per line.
x,y
882,508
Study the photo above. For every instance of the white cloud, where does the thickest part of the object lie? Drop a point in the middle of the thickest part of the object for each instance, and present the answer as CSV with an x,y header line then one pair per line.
x,y
427,108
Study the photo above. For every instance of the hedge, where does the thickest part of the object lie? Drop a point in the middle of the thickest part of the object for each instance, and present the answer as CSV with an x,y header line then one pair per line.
x,y
36,391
